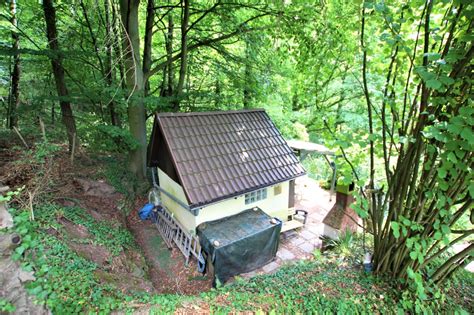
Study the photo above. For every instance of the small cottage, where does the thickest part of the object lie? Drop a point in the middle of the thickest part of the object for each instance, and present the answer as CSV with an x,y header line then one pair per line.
x,y
211,165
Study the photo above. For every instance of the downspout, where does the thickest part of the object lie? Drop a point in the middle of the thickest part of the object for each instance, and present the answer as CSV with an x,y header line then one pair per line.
x,y
194,211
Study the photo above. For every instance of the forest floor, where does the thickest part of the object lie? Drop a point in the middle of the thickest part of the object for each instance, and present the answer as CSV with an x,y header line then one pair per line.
x,y
74,205
147,266
90,252
167,269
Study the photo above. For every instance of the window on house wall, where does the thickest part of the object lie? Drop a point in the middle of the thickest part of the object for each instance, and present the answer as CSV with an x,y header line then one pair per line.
x,y
277,190
255,196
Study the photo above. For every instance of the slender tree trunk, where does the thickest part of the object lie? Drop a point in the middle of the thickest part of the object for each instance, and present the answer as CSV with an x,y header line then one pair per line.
x,y
338,121
53,114
58,71
150,17
109,70
134,80
92,35
169,57
217,99
295,105
184,54
117,47
247,74
14,100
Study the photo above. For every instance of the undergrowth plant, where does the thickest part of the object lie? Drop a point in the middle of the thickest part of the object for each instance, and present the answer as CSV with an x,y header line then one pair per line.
x,y
117,174
65,281
306,287
6,306
115,238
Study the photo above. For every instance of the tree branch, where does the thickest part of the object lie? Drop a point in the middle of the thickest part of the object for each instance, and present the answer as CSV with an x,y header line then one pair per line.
x,y
209,41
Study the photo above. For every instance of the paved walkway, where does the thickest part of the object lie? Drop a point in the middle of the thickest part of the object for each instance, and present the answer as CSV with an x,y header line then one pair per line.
x,y
300,243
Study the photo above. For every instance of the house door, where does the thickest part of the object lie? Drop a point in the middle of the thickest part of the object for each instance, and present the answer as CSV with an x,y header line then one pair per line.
x,y
291,197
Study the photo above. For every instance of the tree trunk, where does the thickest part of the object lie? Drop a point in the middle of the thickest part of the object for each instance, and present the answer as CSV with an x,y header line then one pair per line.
x,y
184,55
117,47
134,80
14,100
58,71
247,74
217,91
109,71
295,105
53,114
150,17
169,57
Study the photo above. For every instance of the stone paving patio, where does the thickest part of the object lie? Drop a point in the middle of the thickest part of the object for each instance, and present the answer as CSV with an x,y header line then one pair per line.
x,y
300,243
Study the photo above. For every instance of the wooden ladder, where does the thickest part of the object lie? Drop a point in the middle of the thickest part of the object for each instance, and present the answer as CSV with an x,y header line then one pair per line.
x,y
173,232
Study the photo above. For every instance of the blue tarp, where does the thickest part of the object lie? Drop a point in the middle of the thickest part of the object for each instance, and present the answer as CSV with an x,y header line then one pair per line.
x,y
146,211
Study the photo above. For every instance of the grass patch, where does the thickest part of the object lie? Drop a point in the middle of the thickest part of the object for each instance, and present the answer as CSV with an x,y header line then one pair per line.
x,y
306,287
161,252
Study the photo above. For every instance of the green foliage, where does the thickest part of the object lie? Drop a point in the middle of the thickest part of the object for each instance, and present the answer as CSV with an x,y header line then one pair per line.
x,y
115,238
108,138
418,94
44,150
318,168
306,287
301,62
6,306
317,255
344,243
422,297
10,194
66,282
328,284
65,279
118,175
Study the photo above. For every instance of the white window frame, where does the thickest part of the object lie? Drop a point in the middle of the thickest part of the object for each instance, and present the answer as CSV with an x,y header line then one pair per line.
x,y
255,196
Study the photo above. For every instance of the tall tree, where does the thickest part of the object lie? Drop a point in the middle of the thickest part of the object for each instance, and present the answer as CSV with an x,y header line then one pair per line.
x,y
247,94
109,66
14,99
58,72
168,72
136,79
135,84
183,54
147,47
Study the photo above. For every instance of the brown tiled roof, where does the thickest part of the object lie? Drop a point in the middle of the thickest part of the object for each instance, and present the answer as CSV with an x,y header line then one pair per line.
x,y
218,155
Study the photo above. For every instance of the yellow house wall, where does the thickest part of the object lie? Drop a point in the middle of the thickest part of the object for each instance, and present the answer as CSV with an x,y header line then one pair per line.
x,y
186,218
275,205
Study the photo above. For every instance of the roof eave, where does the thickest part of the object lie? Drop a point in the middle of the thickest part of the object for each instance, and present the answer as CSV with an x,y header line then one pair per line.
x,y
173,158
243,192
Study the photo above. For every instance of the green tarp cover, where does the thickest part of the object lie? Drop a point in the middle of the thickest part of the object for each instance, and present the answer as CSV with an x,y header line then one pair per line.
x,y
240,243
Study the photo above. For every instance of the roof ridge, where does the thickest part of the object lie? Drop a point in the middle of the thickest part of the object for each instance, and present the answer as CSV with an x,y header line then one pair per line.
x,y
217,112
